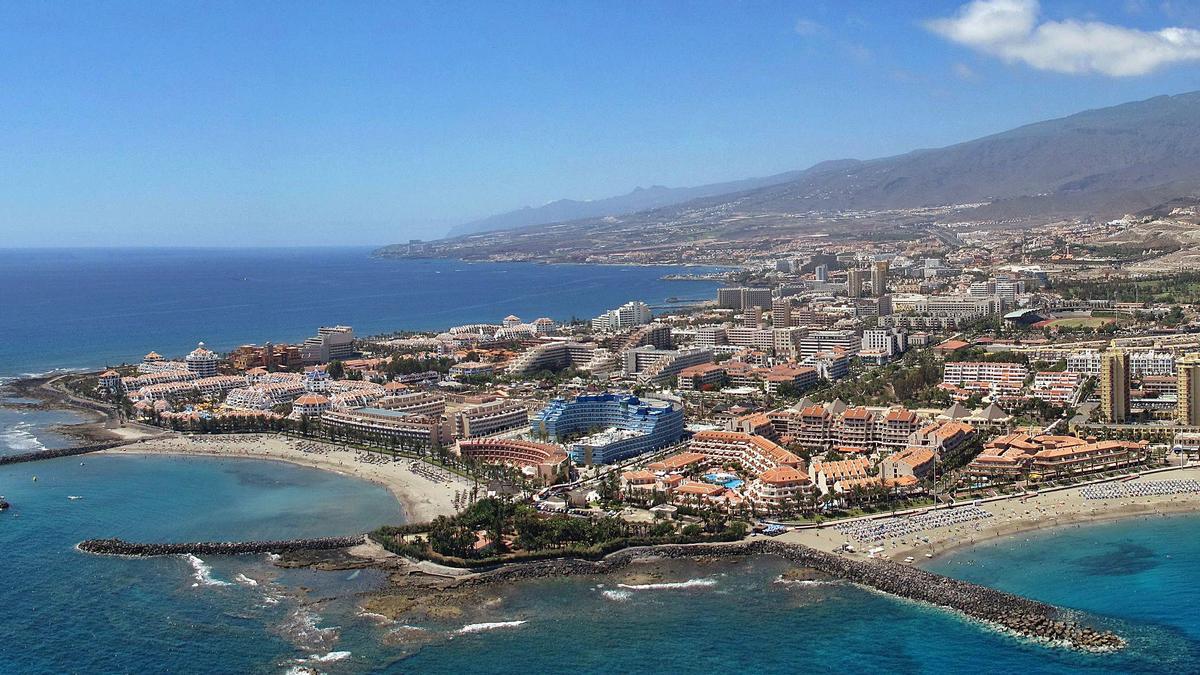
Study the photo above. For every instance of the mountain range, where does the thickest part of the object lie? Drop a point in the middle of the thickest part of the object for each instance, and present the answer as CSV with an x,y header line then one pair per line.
x,y
639,199
1097,163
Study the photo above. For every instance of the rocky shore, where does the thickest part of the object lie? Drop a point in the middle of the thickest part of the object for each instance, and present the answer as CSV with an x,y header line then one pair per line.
x,y
1020,616
121,547
38,455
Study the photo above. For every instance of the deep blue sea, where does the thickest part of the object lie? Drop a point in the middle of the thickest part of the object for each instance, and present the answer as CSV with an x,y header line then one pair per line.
x,y
85,308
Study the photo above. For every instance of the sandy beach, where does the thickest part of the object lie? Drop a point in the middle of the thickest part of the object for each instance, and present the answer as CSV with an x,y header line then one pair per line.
x,y
424,496
1015,515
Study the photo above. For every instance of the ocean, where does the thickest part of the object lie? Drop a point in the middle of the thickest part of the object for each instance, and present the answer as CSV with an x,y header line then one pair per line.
x,y
70,612
87,308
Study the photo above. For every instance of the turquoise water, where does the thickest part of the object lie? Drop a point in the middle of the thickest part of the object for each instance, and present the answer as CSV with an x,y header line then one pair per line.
x,y
86,308
25,429
65,611
1141,575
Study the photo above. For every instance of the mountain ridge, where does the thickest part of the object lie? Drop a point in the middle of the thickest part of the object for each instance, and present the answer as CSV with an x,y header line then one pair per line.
x,y
1097,163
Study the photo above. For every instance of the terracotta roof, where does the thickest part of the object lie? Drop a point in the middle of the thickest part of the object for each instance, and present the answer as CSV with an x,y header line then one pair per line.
x,y
701,489
782,475
676,462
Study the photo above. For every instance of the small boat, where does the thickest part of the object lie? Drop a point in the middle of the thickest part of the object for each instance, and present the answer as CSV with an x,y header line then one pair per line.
x,y
74,497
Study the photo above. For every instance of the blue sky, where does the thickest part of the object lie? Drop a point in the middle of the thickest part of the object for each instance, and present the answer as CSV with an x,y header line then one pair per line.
x,y
341,123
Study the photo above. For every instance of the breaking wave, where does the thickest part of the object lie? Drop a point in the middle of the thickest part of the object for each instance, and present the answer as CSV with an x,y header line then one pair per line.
x,y
327,657
202,572
480,627
671,585
20,438
300,628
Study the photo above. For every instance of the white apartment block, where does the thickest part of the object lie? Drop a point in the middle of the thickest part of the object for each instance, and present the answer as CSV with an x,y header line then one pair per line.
x,y
628,315
1003,377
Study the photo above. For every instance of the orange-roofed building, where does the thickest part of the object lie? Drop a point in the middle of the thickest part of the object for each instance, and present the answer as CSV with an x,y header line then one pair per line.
x,y
754,423
638,480
690,490
703,377
677,462
944,438
754,454
779,488
826,475
1014,456
912,461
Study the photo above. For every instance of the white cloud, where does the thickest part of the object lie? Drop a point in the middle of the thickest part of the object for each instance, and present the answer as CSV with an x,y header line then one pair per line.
x,y
963,72
1011,30
808,27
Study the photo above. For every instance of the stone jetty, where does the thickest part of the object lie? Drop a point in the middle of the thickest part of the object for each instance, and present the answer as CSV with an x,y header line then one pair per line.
x,y
121,547
38,455
1012,613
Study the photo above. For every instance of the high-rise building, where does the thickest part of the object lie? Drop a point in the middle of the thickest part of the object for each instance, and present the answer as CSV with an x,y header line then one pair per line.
x,y
781,313
628,315
1114,386
821,273
330,342
752,317
741,298
879,275
202,362
854,283
1188,411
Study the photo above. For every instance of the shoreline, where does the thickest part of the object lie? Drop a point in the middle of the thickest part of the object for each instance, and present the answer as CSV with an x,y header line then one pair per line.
x,y
421,499
100,424
1015,515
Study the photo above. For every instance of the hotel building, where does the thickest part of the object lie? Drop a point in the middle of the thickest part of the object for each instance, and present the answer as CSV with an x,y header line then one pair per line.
x,y
1114,386
202,362
1004,378
544,459
754,454
490,418
631,426
1188,391
389,426
330,343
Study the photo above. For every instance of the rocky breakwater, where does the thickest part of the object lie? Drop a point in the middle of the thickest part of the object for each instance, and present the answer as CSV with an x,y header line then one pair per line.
x,y
39,455
121,547
1012,613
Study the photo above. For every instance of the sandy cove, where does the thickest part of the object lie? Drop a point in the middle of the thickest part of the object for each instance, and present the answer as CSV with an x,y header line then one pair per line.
x,y
1014,515
423,498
